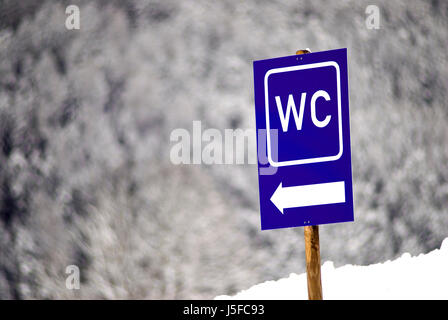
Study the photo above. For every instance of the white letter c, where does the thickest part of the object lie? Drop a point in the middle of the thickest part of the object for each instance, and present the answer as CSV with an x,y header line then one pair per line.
x,y
316,95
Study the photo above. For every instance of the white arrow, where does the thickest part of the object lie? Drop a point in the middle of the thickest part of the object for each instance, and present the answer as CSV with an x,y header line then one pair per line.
x,y
308,195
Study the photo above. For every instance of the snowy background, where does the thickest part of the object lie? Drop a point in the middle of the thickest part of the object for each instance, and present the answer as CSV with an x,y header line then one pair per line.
x,y
421,277
86,117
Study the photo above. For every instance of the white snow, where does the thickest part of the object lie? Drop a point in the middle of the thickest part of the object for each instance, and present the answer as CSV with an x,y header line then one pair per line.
x,y
421,277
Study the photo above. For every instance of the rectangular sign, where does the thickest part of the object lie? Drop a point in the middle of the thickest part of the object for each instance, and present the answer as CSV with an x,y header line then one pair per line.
x,y
304,161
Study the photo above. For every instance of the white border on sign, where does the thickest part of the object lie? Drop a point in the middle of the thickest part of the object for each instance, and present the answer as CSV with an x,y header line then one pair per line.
x,y
338,83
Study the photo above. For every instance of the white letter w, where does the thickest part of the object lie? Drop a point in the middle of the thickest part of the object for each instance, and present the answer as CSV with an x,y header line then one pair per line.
x,y
298,119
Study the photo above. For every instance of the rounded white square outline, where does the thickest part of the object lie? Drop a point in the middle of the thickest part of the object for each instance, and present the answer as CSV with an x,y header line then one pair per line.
x,y
268,136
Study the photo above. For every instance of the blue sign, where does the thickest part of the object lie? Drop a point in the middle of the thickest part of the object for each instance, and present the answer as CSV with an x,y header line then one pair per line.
x,y
303,140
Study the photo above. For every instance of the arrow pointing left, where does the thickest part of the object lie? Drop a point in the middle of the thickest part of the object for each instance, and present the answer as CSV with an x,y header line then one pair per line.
x,y
308,195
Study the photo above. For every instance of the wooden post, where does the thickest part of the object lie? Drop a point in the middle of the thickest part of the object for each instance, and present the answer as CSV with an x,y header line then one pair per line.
x,y
312,253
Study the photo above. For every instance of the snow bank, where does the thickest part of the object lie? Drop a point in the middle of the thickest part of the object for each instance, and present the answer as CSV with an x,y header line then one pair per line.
x,y
422,277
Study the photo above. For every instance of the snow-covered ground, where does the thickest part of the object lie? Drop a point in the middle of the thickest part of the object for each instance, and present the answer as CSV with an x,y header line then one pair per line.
x,y
422,277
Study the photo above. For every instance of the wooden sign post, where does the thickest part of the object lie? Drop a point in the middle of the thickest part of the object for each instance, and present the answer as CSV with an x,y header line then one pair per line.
x,y
302,195
312,253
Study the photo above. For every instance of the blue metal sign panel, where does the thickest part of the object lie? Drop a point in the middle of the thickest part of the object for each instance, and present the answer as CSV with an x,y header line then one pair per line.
x,y
303,141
